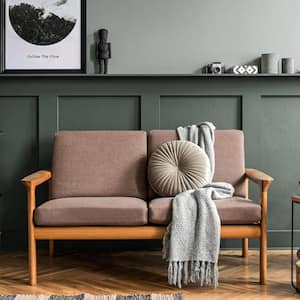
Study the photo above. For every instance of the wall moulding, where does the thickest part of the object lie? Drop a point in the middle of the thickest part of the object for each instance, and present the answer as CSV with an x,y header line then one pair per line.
x,y
35,106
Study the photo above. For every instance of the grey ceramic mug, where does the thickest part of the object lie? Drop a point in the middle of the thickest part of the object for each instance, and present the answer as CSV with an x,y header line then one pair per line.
x,y
288,65
270,63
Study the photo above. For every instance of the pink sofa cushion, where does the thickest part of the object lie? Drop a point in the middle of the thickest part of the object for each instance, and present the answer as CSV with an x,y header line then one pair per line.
x,y
78,211
229,152
99,164
232,211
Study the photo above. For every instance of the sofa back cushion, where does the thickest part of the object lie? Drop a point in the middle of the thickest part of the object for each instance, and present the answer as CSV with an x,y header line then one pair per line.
x,y
99,164
229,156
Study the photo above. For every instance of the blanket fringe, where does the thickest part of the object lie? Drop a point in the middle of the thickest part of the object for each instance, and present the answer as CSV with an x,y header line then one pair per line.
x,y
203,272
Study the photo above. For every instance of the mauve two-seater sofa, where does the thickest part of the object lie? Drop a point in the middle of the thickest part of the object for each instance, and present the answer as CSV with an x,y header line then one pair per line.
x,y
99,190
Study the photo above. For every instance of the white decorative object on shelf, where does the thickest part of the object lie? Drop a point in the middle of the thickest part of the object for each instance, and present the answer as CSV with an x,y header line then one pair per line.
x,y
245,69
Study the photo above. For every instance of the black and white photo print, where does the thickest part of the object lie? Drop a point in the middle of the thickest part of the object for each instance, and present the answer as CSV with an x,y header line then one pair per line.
x,y
44,35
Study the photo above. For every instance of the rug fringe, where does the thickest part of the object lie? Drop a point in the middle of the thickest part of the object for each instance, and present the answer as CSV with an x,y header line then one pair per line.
x,y
99,297
166,297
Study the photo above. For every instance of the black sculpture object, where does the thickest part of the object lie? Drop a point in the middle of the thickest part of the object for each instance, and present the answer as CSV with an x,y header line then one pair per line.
x,y
103,51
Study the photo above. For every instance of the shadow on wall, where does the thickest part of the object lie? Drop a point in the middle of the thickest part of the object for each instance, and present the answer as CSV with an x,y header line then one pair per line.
x,y
93,52
201,70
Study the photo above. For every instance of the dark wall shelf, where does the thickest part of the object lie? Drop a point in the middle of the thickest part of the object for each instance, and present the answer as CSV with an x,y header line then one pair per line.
x,y
4,75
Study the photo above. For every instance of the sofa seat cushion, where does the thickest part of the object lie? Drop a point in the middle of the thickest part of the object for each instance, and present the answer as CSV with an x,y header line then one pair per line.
x,y
90,211
232,211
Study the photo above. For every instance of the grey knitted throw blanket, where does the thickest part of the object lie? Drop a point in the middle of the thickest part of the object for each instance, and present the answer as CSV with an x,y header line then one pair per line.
x,y
192,240
204,136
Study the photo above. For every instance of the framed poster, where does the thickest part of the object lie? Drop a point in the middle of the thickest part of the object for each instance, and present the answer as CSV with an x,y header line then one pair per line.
x,y
47,36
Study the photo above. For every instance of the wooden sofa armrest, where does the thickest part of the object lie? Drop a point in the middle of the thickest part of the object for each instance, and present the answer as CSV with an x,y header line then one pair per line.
x,y
31,182
258,177
296,199
264,181
37,178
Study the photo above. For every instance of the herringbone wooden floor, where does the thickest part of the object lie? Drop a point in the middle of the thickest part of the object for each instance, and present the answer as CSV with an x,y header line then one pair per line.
x,y
143,272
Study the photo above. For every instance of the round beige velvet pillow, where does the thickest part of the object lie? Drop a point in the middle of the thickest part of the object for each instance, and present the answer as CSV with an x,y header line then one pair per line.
x,y
178,166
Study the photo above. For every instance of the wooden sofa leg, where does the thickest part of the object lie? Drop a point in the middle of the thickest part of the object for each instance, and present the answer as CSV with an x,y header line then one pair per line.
x,y
263,233
263,257
32,260
51,248
245,248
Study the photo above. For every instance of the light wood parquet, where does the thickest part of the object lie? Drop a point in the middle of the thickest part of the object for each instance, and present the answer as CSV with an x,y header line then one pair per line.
x,y
143,272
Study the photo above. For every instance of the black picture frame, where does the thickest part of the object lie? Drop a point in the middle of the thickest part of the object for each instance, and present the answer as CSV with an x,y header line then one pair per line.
x,y
83,46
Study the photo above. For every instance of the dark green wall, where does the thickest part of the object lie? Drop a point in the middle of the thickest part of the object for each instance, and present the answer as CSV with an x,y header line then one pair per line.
x,y
33,108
